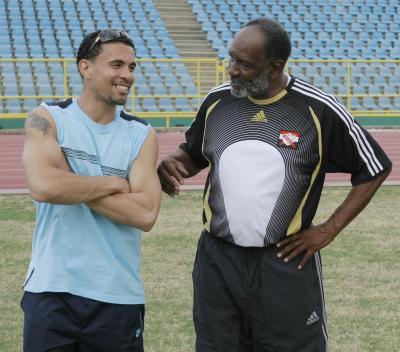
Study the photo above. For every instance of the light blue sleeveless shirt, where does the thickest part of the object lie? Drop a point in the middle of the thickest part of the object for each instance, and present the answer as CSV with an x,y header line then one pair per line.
x,y
75,249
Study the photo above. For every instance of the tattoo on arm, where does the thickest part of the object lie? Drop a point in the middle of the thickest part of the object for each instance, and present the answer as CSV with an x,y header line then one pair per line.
x,y
40,123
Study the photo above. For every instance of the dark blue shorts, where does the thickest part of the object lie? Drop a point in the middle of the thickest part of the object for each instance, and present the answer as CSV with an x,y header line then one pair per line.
x,y
61,322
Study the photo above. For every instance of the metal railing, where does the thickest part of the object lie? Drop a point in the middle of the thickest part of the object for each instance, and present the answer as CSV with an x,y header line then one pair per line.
x,y
348,90
205,74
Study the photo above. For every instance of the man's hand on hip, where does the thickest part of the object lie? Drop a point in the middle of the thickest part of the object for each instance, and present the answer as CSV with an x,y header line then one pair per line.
x,y
307,241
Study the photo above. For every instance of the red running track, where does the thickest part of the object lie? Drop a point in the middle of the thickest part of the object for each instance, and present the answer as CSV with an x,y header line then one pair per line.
x,y
12,179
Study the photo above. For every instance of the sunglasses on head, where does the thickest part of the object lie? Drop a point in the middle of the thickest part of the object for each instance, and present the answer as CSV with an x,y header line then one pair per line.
x,y
108,35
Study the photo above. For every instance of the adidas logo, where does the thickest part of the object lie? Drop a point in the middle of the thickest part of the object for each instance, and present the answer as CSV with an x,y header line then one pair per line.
x,y
259,117
313,318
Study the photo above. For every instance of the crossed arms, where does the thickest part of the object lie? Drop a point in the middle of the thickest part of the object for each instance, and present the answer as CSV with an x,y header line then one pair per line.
x,y
135,202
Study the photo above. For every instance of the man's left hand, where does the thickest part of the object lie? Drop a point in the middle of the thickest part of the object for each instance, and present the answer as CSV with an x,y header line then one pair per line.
x,y
307,241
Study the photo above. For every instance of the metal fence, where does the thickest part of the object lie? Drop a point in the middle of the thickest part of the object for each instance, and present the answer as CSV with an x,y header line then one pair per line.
x,y
365,87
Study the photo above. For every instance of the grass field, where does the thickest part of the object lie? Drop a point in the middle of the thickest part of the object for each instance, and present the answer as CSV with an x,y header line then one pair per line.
x,y
361,268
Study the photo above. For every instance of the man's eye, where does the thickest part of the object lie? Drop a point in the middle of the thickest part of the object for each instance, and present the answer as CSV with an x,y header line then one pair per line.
x,y
246,66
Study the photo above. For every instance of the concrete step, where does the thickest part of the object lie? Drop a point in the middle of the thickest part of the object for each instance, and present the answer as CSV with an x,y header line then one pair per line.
x,y
189,39
188,36
195,43
190,54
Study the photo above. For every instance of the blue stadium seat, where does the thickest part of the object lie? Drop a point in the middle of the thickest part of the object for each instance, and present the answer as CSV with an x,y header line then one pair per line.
x,y
183,104
325,53
359,89
165,104
171,52
365,9
12,106
337,36
354,10
190,90
142,89
385,103
356,27
394,82
29,104
295,69
10,88
367,53
27,89
355,103
44,87
149,104
344,27
296,53
20,51
290,27
390,90
385,19
319,81
395,52
382,53
339,54
175,89
319,29
369,103
374,90
302,27
394,27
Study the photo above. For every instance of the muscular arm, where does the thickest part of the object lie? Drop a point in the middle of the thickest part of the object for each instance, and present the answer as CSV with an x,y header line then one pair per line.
x,y
173,169
314,238
140,207
47,171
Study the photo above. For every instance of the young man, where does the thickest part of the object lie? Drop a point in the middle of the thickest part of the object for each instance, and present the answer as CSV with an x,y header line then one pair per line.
x,y
91,169
268,139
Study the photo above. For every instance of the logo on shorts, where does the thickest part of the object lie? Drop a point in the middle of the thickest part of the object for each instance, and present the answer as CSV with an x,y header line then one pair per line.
x,y
313,318
138,331
288,139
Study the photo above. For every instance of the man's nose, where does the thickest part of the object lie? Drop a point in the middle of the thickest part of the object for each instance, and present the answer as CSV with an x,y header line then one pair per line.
x,y
233,69
127,73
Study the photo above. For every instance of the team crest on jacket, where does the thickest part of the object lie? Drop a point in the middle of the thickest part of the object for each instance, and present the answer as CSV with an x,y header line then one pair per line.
x,y
288,139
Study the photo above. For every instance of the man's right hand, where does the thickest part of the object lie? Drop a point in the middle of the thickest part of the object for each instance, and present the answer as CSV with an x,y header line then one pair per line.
x,y
172,173
122,184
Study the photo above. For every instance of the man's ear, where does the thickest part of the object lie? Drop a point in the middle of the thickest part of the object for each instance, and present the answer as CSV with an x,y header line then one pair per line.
x,y
278,66
85,68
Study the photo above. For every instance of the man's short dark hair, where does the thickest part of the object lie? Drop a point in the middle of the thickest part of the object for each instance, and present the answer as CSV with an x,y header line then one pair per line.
x,y
89,51
277,40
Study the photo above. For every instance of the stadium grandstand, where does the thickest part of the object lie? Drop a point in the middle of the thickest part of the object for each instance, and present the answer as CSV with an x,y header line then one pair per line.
x,y
347,48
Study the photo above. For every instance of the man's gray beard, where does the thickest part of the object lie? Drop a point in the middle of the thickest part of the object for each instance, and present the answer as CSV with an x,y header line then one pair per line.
x,y
254,88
